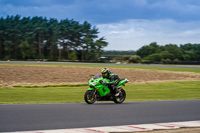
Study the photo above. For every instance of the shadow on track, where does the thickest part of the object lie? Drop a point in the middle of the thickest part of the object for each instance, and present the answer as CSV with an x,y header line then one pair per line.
x,y
112,103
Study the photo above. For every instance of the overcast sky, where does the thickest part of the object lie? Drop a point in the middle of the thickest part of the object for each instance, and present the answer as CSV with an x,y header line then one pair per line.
x,y
126,24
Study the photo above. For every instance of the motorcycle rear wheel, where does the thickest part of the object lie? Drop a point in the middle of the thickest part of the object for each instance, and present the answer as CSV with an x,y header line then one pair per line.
x,y
122,96
89,97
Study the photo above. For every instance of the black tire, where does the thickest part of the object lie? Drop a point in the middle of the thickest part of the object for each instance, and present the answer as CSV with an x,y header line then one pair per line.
x,y
89,98
122,96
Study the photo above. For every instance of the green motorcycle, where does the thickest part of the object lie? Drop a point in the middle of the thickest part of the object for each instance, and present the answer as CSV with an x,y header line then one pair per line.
x,y
100,92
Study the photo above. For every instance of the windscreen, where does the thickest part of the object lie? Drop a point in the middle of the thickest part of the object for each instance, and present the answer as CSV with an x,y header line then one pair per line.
x,y
97,76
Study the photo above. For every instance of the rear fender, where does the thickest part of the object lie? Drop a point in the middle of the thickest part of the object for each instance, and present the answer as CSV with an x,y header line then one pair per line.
x,y
122,82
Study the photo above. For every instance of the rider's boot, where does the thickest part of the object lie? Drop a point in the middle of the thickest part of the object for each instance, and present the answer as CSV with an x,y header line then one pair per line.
x,y
117,92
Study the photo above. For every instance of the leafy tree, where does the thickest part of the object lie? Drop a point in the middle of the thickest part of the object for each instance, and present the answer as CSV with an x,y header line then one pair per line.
x,y
167,55
187,47
49,38
135,59
191,52
73,56
53,54
2,30
166,60
174,50
148,50
25,49
122,58
8,48
156,57
100,44
189,56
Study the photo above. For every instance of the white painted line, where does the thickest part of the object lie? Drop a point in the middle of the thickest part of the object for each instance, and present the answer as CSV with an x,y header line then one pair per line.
x,y
125,128
152,126
186,124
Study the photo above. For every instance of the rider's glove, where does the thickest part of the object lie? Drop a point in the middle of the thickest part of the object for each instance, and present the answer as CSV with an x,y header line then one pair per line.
x,y
101,82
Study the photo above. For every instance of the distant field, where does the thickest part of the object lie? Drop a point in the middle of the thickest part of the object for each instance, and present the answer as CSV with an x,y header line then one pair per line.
x,y
37,75
135,92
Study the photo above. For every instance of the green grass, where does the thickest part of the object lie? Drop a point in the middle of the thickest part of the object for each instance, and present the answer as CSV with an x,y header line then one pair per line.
x,y
164,91
110,66
135,92
41,94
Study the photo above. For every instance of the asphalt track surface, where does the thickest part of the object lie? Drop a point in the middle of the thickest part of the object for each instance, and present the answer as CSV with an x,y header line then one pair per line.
x,y
26,117
106,64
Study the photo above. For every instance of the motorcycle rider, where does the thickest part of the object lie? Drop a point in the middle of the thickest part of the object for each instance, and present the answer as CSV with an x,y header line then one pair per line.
x,y
114,80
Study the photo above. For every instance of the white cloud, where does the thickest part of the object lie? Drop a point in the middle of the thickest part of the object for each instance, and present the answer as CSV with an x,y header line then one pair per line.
x,y
133,34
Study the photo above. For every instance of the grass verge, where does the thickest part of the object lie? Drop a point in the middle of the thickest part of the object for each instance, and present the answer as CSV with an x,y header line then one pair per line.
x,y
108,65
135,92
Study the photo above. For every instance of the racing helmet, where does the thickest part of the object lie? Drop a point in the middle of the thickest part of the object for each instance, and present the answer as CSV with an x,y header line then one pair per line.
x,y
105,72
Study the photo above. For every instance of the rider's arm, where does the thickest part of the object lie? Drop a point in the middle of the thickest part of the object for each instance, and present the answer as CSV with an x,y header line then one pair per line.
x,y
114,80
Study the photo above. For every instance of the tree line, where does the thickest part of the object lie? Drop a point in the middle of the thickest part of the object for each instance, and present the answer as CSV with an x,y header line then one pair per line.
x,y
169,53
42,38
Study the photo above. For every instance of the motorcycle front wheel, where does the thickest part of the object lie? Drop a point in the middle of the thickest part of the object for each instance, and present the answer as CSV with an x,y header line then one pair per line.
x,y
89,97
122,96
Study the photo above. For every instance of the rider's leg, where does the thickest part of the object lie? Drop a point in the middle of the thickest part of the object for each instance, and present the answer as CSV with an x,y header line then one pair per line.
x,y
116,91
